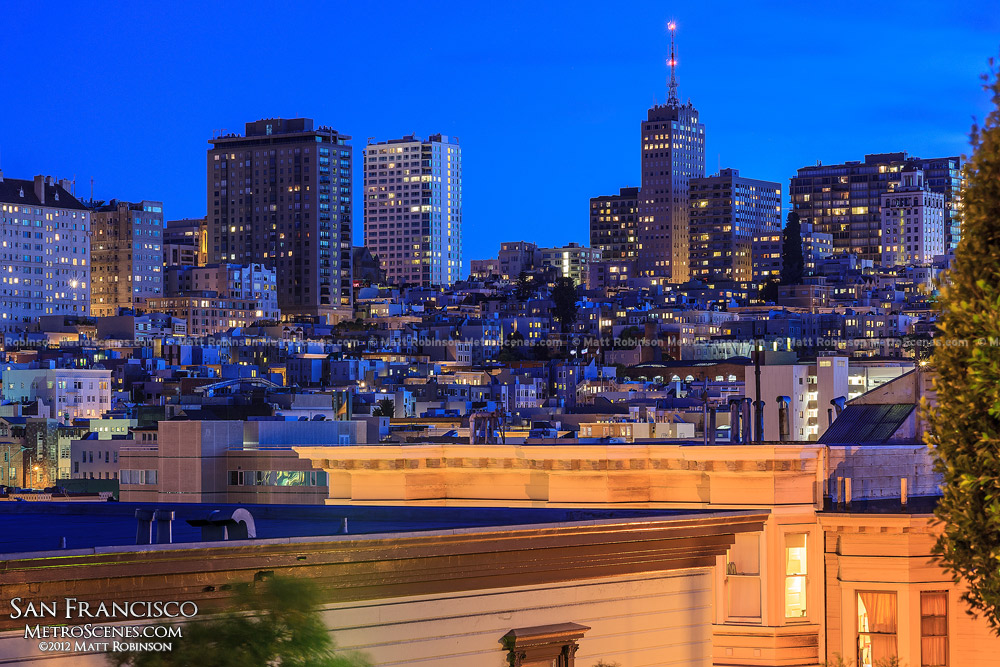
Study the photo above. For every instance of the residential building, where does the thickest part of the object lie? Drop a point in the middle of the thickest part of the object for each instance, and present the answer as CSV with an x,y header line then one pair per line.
x,y
281,196
570,261
517,257
206,313
614,225
45,248
913,221
126,256
67,393
816,247
484,268
254,282
673,152
844,200
735,227
185,242
413,208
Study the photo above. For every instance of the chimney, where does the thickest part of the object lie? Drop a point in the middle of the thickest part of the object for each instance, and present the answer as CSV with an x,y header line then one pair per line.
x,y
164,526
734,421
711,427
838,404
745,428
144,518
784,417
40,188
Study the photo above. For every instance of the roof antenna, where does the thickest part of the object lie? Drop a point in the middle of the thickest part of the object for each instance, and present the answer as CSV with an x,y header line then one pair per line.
x,y
672,100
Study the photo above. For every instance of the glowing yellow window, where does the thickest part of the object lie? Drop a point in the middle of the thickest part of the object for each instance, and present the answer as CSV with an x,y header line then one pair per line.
x,y
795,575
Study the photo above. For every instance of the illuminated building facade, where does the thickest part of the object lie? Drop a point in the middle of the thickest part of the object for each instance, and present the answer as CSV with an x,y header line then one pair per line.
x,y
281,196
614,224
570,261
413,208
735,227
45,248
206,313
188,241
673,152
229,281
126,256
913,222
844,200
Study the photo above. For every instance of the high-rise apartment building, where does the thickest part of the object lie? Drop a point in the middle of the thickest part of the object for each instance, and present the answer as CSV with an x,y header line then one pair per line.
x,y
126,256
913,227
413,208
673,152
844,199
614,224
281,196
45,248
735,227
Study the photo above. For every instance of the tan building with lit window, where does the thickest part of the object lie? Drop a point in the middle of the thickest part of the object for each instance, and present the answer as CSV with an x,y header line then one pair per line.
x,y
813,583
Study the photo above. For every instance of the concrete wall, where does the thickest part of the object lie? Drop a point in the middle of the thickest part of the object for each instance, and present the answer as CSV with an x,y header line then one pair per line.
x,y
875,470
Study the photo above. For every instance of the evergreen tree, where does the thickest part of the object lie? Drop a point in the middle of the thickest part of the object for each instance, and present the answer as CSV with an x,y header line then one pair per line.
x,y
964,427
791,251
564,298
384,408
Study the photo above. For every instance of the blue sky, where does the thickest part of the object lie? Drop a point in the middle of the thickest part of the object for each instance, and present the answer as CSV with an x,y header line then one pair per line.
x,y
546,98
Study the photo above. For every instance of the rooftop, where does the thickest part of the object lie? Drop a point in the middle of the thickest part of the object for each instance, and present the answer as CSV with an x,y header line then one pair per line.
x,y
87,525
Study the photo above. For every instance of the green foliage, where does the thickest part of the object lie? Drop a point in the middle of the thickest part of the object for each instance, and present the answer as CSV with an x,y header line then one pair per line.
x,y
792,263
891,661
271,624
601,663
964,428
564,298
386,407
838,661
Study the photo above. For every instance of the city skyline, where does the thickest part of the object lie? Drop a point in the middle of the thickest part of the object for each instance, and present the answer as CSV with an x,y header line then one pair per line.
x,y
918,103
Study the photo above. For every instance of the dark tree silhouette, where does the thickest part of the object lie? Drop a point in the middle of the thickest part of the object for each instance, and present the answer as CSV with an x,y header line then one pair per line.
x,y
792,263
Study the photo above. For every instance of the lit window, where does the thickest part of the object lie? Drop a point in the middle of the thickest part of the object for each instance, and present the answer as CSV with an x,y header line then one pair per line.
x,y
795,575
876,627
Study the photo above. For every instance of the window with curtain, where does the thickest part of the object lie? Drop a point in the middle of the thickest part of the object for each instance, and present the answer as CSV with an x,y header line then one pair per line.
x,y
796,563
933,629
876,627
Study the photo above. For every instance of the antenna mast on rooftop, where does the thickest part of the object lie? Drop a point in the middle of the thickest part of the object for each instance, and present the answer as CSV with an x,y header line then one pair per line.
x,y
672,100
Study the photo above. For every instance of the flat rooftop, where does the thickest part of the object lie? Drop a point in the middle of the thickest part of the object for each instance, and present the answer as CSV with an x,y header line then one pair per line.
x,y
27,527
